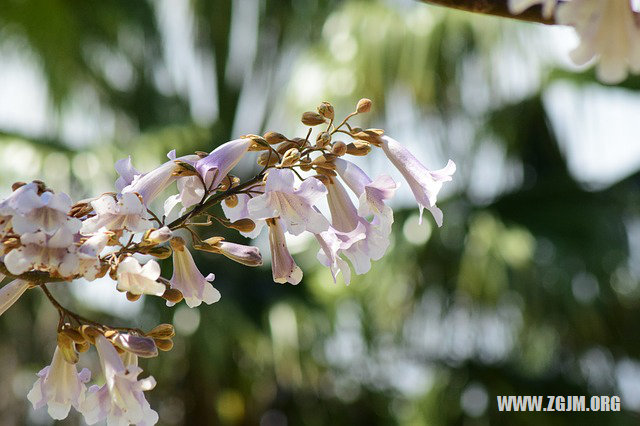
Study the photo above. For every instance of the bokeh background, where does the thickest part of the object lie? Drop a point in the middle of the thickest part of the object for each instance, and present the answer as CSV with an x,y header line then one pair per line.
x,y
530,288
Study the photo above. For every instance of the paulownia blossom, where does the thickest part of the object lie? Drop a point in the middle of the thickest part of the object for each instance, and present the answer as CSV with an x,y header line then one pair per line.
x,y
45,238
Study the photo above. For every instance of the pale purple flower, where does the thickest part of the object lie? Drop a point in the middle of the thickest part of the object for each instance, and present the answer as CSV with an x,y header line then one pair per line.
x,y
246,255
11,292
214,167
120,400
293,205
32,212
608,31
59,386
161,235
53,253
137,279
151,184
241,211
128,212
371,194
283,267
424,184
189,280
332,244
345,220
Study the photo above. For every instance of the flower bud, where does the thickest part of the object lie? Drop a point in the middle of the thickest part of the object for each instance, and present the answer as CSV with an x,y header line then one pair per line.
x,y
290,157
286,146
73,335
89,332
202,154
164,344
311,118
339,148
273,138
326,172
326,110
358,148
373,136
227,182
242,225
159,236
172,295
326,180
268,159
364,105
17,185
305,164
323,140
258,142
160,252
132,297
231,201
162,331
246,255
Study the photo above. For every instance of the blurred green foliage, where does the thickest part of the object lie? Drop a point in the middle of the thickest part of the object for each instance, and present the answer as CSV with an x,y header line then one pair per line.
x,y
529,291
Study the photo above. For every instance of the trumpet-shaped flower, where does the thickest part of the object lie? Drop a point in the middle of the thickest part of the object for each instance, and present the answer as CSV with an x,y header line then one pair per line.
x,y
121,399
345,220
609,31
372,194
45,212
59,386
424,184
149,185
188,279
283,267
214,167
126,213
294,206
241,211
138,279
53,253
333,243
246,255
11,292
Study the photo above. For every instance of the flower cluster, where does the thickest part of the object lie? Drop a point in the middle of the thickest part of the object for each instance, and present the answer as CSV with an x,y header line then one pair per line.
x,y
47,238
609,31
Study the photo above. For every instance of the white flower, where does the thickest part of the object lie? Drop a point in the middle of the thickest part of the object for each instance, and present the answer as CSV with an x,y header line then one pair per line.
x,y
121,399
59,386
53,253
160,236
241,211
518,6
608,31
149,185
215,166
10,293
424,184
293,205
138,279
127,213
332,244
188,279
32,212
283,267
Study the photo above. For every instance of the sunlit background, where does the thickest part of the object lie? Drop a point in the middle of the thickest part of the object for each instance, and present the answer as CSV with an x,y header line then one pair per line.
x,y
530,288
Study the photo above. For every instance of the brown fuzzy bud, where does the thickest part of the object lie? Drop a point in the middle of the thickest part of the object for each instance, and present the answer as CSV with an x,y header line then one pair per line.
x,y
325,109
162,331
132,297
202,154
339,148
273,138
89,332
73,335
259,143
326,172
242,225
172,295
373,136
231,201
227,182
300,142
268,159
364,105
311,118
290,157
82,347
326,180
358,148
286,146
164,344
323,140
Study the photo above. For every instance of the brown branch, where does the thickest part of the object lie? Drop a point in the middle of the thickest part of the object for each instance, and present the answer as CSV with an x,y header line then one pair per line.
x,y
34,277
496,8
